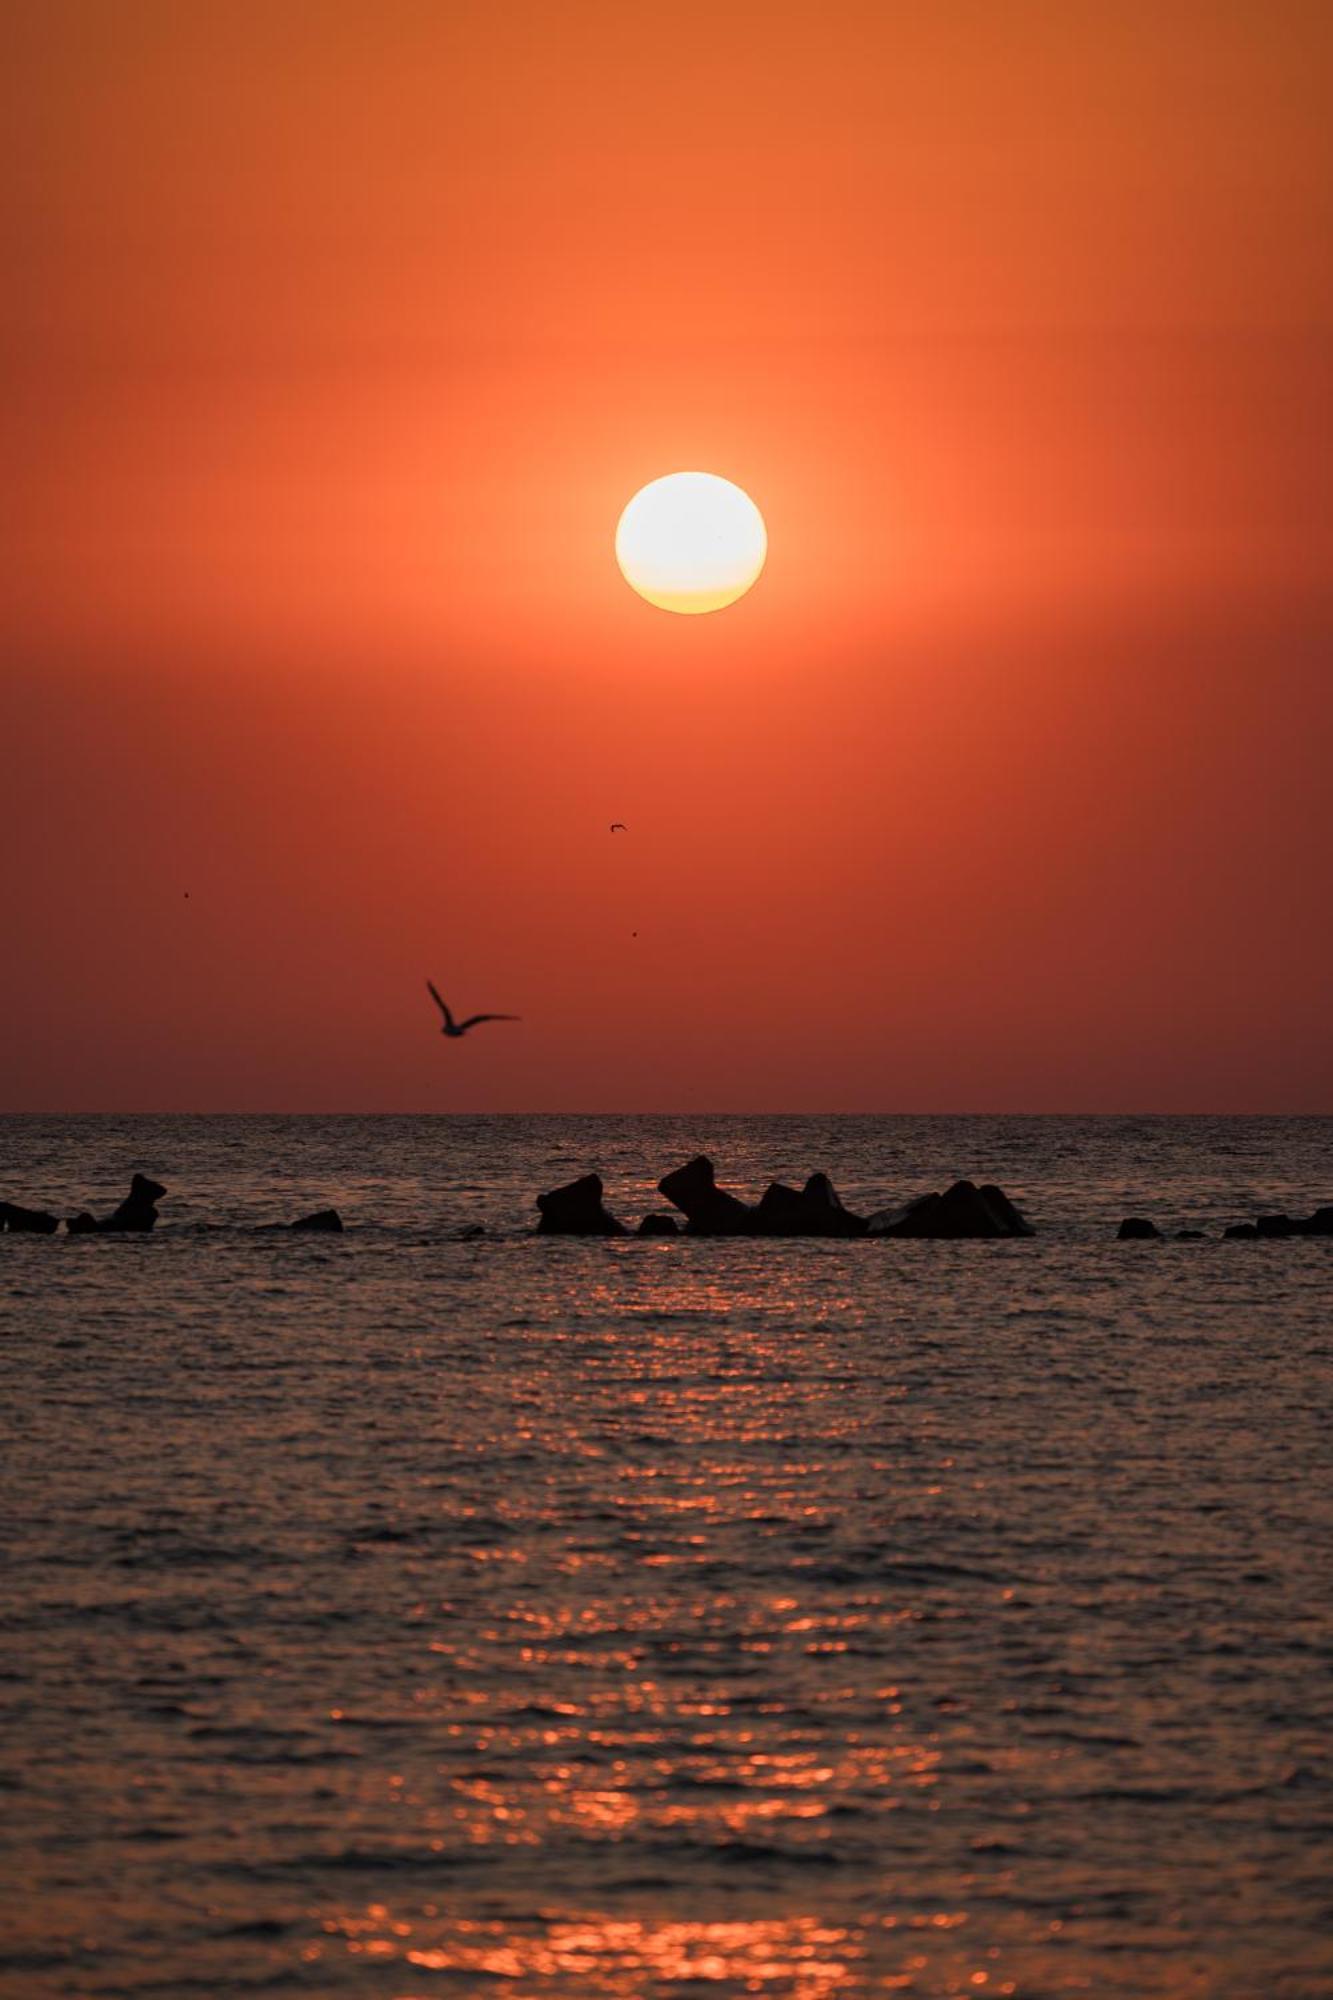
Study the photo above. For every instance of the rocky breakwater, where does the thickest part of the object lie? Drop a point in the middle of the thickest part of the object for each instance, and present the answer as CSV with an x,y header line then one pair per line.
x,y
963,1210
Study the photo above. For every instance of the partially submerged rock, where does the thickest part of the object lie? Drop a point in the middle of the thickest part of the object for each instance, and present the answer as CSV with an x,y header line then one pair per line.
x,y
1137,1228
1008,1212
964,1210
470,1232
659,1225
708,1209
27,1221
1276,1228
325,1219
577,1210
137,1213
813,1210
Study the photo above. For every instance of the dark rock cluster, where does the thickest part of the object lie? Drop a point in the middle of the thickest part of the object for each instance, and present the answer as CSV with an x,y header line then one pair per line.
x,y
1137,1228
964,1210
813,1210
136,1214
1275,1227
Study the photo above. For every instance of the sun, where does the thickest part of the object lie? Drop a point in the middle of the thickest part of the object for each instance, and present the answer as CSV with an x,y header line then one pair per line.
x,y
691,542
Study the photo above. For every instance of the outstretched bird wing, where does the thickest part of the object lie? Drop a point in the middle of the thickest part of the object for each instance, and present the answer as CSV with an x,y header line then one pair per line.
x,y
448,1017
619,826
473,1020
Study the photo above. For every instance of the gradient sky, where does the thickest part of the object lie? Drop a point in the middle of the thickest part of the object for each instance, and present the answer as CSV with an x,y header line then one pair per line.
x,y
335,337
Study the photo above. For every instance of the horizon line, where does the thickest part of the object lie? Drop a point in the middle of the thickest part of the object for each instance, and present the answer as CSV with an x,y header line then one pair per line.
x,y
694,1112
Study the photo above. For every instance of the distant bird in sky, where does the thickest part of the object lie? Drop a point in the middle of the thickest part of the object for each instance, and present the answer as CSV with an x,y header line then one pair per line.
x,y
454,1028
619,826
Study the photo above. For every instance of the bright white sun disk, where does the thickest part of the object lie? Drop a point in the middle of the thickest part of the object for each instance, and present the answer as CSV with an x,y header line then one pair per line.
x,y
691,542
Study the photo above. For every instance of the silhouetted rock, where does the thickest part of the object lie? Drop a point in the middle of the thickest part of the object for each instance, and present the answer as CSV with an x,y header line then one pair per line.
x,y
138,1211
998,1202
1191,1235
27,1221
708,1209
577,1210
961,1211
1136,1228
326,1219
658,1225
813,1211
1276,1228
471,1232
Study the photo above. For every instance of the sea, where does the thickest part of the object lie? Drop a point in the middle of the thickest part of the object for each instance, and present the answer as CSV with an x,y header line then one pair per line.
x,y
393,1615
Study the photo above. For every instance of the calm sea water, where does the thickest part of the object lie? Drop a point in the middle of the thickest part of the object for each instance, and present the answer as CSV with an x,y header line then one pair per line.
x,y
392,1616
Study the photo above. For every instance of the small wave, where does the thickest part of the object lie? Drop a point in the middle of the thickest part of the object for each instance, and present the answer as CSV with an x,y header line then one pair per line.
x,y
1140,1795
352,1861
692,1854
257,1927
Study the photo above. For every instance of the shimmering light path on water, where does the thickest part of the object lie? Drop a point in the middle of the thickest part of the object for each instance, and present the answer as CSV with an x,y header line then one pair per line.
x,y
391,1616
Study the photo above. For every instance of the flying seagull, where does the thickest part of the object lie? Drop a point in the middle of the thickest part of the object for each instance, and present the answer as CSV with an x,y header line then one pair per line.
x,y
454,1028
619,826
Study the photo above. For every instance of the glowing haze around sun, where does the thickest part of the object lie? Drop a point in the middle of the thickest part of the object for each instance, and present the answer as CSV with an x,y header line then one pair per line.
x,y
691,542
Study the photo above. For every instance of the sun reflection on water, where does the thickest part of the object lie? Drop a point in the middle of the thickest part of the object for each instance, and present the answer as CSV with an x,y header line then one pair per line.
x,y
800,1955
610,1955
707,1631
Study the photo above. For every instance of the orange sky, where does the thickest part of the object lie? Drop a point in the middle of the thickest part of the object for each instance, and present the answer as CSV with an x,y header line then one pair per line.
x,y
336,336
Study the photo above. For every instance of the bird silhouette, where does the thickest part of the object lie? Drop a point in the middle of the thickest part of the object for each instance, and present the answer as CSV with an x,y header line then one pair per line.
x,y
619,826
454,1028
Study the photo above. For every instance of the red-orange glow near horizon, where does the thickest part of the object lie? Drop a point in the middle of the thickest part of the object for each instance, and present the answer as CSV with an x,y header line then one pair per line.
x,y
1005,786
